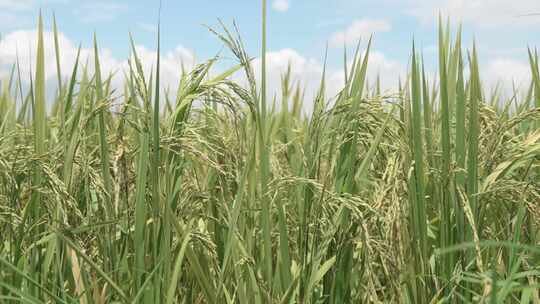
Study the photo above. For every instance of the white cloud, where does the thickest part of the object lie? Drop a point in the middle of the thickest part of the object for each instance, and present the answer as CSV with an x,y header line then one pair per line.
x,y
280,5
506,71
305,71
388,70
171,65
308,72
484,13
359,29
24,44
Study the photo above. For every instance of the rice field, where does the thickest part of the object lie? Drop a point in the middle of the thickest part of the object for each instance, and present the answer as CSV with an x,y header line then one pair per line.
x,y
217,194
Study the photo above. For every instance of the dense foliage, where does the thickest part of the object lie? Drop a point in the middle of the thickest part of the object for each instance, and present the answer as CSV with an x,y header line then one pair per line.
x,y
427,195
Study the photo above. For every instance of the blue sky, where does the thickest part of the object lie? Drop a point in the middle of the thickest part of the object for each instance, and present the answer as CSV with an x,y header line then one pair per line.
x,y
298,31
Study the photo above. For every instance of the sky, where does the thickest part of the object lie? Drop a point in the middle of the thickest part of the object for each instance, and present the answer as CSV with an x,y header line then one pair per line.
x,y
299,32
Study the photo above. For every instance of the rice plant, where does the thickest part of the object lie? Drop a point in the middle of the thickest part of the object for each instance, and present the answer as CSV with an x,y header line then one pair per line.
x,y
428,194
